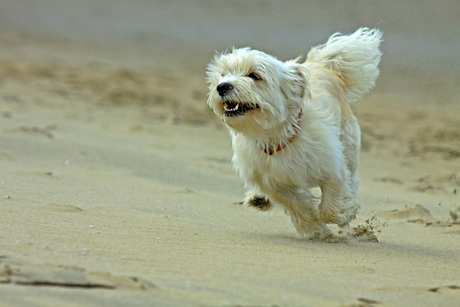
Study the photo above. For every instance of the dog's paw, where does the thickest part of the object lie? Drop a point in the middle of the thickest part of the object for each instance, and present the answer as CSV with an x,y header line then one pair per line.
x,y
311,230
342,217
350,209
260,203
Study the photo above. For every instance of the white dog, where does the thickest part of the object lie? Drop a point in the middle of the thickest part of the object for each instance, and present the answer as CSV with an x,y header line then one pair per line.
x,y
292,127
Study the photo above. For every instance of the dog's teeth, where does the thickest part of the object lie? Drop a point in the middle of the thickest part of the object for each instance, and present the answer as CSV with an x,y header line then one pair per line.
x,y
229,108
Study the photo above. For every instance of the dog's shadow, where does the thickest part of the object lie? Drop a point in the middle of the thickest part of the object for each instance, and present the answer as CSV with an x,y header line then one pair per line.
x,y
347,237
343,242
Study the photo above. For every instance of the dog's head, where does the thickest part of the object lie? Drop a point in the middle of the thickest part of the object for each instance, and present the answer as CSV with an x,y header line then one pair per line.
x,y
254,92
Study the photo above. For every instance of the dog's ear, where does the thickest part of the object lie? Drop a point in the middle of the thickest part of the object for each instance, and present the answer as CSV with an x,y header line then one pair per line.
x,y
294,84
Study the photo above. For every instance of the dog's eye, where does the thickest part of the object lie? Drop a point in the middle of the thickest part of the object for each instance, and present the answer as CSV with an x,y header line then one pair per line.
x,y
254,76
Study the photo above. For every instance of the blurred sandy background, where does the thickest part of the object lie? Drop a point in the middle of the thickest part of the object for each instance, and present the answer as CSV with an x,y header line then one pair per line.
x,y
116,187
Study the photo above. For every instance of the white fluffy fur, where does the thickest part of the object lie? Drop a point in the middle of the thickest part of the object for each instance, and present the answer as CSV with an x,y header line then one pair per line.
x,y
325,151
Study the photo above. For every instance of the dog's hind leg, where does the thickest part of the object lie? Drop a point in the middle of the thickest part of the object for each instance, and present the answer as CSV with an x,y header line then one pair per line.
x,y
351,140
337,201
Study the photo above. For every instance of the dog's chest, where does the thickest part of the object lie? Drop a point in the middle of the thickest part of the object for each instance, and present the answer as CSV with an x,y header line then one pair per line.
x,y
268,172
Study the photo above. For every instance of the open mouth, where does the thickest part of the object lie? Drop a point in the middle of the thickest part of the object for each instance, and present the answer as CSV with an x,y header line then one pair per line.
x,y
233,108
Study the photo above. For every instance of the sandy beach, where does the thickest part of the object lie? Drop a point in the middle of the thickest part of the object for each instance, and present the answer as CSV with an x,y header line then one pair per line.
x,y
116,183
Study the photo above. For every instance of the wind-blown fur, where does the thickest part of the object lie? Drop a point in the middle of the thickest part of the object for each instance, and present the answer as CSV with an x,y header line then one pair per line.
x,y
269,95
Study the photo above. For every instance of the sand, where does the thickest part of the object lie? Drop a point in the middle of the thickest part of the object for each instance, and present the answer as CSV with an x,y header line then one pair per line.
x,y
117,188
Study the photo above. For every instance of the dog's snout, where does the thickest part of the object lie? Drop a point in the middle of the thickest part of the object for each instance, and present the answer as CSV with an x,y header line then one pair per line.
x,y
224,88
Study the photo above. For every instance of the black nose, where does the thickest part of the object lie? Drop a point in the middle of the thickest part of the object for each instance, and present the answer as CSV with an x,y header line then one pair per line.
x,y
224,88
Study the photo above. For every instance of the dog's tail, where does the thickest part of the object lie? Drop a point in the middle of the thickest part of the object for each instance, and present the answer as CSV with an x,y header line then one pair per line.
x,y
354,58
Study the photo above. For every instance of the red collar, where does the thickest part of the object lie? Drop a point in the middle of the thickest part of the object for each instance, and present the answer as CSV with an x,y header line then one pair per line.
x,y
270,151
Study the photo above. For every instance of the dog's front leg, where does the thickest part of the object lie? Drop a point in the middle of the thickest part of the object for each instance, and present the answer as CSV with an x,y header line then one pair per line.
x,y
302,206
257,200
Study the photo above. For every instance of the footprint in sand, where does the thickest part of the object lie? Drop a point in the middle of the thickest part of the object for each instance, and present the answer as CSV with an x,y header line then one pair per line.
x,y
37,131
45,275
416,213
444,288
61,208
442,183
393,180
419,214
363,302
